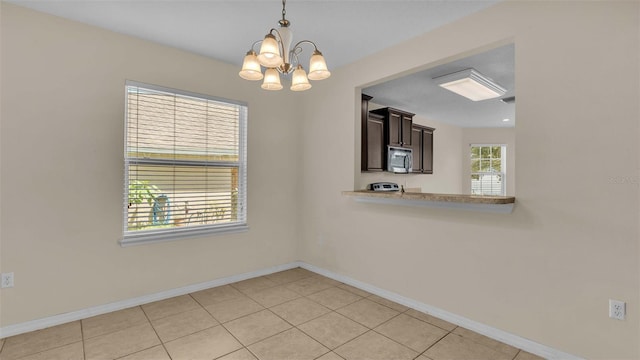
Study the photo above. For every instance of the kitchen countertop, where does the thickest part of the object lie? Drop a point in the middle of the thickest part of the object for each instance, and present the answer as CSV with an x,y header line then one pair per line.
x,y
502,204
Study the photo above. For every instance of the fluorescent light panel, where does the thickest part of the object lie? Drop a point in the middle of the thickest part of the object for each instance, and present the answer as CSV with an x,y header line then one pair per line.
x,y
471,84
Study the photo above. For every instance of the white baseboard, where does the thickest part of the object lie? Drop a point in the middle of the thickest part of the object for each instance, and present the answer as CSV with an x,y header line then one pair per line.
x,y
496,334
38,324
488,331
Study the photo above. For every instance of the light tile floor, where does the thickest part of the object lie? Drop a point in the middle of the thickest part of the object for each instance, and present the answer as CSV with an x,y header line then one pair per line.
x,y
293,314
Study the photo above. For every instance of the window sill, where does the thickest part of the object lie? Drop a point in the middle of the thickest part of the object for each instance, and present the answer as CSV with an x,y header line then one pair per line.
x,y
496,204
151,237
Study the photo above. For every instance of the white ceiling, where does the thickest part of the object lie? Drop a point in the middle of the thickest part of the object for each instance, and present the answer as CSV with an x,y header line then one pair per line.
x,y
419,93
345,31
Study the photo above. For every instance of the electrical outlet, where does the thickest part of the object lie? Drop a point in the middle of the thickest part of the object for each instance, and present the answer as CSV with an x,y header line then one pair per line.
x,y
7,280
617,309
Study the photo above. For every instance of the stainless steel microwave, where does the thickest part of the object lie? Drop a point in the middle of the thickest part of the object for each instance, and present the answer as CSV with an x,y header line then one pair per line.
x,y
399,160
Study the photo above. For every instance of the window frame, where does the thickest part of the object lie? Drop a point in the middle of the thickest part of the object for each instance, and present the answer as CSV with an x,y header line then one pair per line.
x,y
502,173
178,233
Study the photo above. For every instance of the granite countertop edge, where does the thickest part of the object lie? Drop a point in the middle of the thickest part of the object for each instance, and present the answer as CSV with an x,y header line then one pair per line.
x,y
456,198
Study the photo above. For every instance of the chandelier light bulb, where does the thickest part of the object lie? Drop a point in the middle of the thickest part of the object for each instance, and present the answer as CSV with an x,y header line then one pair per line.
x,y
271,80
251,67
299,81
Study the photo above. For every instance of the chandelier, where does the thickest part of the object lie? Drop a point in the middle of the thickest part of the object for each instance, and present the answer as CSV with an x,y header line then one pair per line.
x,y
277,57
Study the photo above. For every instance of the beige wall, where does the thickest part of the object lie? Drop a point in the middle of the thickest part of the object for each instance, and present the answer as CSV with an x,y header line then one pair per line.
x,y
62,169
502,136
546,271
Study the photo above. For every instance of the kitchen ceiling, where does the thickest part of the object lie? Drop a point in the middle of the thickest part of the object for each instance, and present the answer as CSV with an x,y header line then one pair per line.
x,y
419,93
345,31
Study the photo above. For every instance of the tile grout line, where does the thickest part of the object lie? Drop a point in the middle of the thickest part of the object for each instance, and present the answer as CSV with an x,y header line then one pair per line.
x,y
367,327
395,341
51,348
220,323
373,329
268,337
182,337
112,331
473,341
205,310
295,327
516,356
292,326
485,345
355,321
335,312
250,352
437,341
84,350
157,335
448,331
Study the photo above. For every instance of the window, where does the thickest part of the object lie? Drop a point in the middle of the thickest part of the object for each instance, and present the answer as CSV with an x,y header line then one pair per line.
x,y
185,164
488,170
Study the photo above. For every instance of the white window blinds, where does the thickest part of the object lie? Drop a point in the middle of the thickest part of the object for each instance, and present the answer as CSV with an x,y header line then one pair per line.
x,y
488,169
185,164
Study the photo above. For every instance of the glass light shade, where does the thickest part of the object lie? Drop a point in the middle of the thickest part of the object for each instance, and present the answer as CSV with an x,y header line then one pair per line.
x,y
270,52
251,67
271,80
318,67
299,81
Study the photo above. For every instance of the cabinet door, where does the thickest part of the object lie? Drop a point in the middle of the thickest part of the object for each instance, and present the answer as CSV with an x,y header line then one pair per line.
x,y
375,144
427,151
395,129
364,115
407,130
416,146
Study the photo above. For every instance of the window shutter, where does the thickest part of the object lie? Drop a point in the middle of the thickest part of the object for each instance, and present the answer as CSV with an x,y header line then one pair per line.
x,y
185,164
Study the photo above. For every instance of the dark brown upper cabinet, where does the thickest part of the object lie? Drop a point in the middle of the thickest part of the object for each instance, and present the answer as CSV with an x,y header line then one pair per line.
x,y
389,126
376,159
399,125
422,145
373,139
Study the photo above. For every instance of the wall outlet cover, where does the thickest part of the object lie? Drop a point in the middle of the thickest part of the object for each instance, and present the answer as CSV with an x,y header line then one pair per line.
x,y
617,309
7,280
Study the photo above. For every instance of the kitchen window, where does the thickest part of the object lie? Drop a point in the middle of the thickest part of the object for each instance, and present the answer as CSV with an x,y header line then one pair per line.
x,y
185,165
488,169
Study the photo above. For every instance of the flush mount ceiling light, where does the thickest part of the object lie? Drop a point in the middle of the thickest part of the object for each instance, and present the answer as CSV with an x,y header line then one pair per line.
x,y
471,84
277,57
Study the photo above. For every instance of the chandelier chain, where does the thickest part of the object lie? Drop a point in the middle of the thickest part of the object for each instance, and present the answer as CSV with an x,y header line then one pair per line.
x,y
284,12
